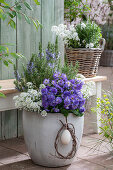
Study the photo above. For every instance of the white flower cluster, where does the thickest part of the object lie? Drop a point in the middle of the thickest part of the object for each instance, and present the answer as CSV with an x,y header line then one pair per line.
x,y
83,25
66,33
88,88
30,100
91,45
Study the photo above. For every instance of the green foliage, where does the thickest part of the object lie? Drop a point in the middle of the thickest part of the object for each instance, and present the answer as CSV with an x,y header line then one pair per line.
x,y
4,55
10,12
42,66
75,112
111,4
70,70
1,94
106,106
73,9
91,33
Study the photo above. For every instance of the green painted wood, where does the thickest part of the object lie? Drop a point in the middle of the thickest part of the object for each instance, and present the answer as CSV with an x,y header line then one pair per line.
x,y
59,11
59,19
9,124
8,35
28,37
20,127
48,21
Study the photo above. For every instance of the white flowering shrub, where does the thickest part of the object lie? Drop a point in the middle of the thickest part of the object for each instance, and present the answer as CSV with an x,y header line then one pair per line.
x,y
84,35
30,100
96,10
89,88
99,10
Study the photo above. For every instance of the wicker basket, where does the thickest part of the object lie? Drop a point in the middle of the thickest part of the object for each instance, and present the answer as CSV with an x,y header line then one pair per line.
x,y
88,59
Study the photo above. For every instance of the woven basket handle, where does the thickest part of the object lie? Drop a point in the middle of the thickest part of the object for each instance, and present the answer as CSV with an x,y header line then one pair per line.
x,y
102,43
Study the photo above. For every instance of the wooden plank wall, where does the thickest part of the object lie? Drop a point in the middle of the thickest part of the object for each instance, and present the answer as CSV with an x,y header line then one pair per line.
x,y
26,40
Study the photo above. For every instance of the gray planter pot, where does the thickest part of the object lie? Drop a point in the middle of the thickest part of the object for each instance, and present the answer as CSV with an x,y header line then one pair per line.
x,y
40,133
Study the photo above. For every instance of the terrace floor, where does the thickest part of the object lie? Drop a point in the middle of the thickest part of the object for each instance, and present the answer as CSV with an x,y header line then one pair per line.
x,y
90,156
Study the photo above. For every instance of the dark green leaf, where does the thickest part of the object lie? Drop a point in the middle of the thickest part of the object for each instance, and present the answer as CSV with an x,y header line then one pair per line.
x,y
6,63
8,7
28,6
11,16
12,24
65,112
14,13
18,7
76,112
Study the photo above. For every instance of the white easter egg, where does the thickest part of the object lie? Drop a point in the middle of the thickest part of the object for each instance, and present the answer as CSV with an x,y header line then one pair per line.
x,y
65,137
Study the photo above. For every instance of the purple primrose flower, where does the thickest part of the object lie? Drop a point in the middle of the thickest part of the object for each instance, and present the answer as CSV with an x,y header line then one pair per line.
x,y
44,91
46,81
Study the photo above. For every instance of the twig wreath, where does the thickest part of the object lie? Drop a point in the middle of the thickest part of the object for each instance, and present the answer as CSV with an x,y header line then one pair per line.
x,y
71,129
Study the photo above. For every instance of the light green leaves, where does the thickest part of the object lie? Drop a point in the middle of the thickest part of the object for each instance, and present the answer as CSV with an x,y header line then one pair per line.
x,y
12,23
36,1
28,20
17,55
28,6
17,9
3,2
36,24
1,94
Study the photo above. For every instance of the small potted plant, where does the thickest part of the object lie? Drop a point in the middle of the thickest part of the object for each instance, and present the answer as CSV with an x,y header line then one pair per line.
x,y
82,45
53,108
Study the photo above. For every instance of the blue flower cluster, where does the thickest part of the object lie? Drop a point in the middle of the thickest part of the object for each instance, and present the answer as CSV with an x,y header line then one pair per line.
x,y
52,58
61,93
30,67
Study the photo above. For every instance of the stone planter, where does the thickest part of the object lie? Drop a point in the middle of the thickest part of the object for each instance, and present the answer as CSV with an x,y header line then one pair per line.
x,y
40,133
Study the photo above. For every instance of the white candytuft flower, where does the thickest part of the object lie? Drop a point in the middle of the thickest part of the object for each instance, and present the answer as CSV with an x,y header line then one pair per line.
x,y
83,25
44,113
30,100
80,76
42,86
29,85
88,89
54,29
91,45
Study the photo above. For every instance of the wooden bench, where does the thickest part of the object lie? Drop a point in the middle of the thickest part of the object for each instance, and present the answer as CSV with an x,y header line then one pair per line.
x,y
8,88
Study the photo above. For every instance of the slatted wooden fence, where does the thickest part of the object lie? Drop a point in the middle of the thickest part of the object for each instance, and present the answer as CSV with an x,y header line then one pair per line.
x,y
26,40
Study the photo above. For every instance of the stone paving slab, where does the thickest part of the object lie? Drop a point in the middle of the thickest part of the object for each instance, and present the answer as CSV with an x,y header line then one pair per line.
x,y
96,143
14,156
16,144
